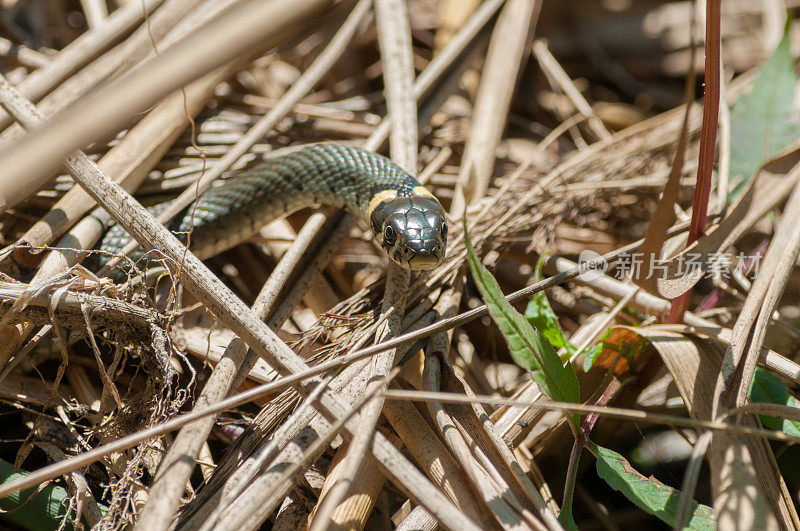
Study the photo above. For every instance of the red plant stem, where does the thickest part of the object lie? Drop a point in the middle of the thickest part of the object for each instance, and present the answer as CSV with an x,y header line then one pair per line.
x,y
708,135
605,398
708,142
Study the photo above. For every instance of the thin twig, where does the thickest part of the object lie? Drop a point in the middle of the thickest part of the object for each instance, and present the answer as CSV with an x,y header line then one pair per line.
x,y
23,55
605,411
554,70
95,12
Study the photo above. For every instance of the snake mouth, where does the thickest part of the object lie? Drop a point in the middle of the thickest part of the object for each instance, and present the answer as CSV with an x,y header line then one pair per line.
x,y
421,255
423,262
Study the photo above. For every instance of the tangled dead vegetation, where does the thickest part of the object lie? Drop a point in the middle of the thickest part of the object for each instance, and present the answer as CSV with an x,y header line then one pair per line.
x,y
561,135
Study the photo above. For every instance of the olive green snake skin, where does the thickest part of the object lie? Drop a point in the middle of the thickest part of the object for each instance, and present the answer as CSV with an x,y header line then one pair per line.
x,y
406,219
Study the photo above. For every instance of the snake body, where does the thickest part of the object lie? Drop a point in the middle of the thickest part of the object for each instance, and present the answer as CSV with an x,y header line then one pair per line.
x,y
406,218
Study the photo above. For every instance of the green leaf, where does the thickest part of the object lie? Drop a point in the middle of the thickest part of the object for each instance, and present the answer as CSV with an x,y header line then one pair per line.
x,y
648,494
540,314
764,121
591,354
40,507
528,347
769,389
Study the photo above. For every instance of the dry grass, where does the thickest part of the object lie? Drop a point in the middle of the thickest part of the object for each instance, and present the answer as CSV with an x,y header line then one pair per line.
x,y
250,392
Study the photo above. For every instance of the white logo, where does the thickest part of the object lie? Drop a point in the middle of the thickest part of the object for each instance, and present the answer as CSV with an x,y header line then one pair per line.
x,y
592,265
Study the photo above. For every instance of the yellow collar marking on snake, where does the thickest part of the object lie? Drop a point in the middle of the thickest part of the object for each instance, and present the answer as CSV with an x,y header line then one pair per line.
x,y
422,191
380,197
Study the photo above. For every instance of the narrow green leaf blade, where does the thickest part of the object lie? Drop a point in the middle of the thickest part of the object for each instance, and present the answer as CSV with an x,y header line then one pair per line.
x,y
648,494
764,121
528,348
769,389
543,318
540,314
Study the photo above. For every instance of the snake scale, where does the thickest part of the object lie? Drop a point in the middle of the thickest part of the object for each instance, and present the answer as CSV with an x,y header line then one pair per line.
x,y
406,219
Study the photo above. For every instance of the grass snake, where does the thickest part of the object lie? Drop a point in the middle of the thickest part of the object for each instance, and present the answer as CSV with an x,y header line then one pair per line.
x,y
406,219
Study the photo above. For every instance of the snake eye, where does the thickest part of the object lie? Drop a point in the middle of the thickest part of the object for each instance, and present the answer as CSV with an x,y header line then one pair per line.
x,y
443,231
389,235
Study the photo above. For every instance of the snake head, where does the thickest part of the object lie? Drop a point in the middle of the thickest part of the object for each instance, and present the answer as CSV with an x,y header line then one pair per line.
x,y
412,230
